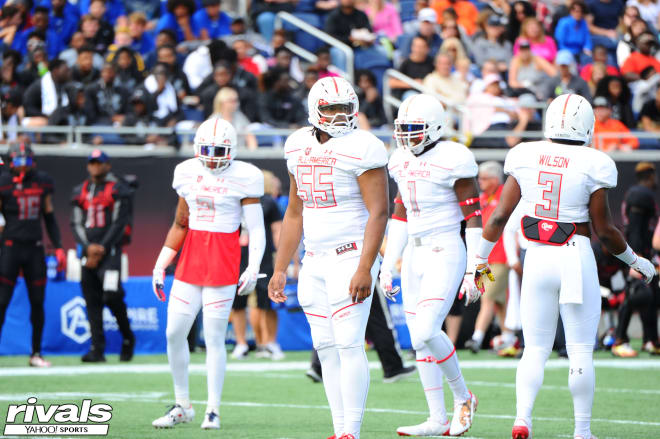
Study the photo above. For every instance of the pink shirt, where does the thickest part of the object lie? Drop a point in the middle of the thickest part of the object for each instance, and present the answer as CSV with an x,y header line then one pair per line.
x,y
546,50
387,21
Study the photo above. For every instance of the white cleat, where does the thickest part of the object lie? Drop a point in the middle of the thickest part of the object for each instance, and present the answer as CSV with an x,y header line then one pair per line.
x,y
211,421
38,361
240,351
426,428
174,415
276,353
463,416
580,437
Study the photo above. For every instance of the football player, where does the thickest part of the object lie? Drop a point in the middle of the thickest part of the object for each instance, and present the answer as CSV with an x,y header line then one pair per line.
x,y
561,184
339,197
437,190
214,190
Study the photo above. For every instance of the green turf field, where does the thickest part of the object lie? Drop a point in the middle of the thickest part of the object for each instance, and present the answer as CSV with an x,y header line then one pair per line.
x,y
264,399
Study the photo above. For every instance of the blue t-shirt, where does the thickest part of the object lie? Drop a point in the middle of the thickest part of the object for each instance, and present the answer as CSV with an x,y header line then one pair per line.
x,y
114,9
145,44
64,26
168,21
572,35
606,14
216,28
54,44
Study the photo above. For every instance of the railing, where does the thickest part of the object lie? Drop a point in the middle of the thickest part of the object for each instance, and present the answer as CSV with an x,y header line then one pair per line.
x,y
302,25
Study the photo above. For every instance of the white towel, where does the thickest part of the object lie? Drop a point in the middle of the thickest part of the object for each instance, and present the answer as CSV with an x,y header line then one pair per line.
x,y
49,99
571,273
166,100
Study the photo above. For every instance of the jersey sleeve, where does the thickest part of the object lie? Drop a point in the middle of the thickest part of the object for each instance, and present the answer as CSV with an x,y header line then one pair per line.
x,y
603,173
183,179
375,156
291,149
254,183
464,165
511,162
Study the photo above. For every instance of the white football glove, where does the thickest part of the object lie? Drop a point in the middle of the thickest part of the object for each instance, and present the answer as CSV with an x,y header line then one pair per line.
x,y
645,268
469,290
386,285
158,283
247,282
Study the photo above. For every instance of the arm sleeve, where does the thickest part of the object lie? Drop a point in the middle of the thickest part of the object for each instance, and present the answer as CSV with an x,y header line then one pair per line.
x,y
120,217
254,219
78,225
53,229
397,238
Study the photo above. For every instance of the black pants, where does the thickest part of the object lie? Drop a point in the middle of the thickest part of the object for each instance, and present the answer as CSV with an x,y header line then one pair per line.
x,y
30,258
640,297
91,282
380,334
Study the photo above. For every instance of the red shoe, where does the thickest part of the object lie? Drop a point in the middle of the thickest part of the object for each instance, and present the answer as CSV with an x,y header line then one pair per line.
x,y
520,430
347,436
333,437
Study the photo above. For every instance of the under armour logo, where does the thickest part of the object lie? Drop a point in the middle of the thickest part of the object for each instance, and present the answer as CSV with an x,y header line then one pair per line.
x,y
578,372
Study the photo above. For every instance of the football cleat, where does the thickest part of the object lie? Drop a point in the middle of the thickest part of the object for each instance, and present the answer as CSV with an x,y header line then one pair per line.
x,y
651,348
347,436
211,421
426,428
314,375
473,346
240,351
275,350
509,352
623,350
333,437
37,360
521,430
175,415
463,416
399,374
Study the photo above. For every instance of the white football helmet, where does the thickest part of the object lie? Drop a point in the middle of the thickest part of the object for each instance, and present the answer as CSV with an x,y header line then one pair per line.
x,y
569,117
215,143
333,106
419,123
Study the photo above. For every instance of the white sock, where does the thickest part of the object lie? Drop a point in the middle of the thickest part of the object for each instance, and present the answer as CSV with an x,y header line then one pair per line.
x,y
581,382
430,375
178,326
478,336
445,353
529,379
216,360
331,369
508,337
354,387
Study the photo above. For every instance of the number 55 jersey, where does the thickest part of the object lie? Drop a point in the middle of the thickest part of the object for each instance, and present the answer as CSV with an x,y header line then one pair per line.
x,y
326,175
556,180
211,253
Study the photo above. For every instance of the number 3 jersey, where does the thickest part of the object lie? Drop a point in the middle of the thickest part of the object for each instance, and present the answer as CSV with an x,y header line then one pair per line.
x,y
326,174
426,185
22,204
211,253
556,181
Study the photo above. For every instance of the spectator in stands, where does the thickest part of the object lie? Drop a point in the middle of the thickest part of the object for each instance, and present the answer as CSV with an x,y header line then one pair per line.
x,y
167,55
44,96
639,60
618,95
530,72
74,114
40,23
128,71
610,134
11,22
567,80
541,44
89,26
239,29
84,70
143,42
106,33
247,60
493,45
263,14
10,116
17,22
490,110
178,19
222,77
631,27
649,11
285,60
165,37
650,116
9,77
453,48
351,26
418,65
372,112
603,20
478,84
278,106
384,18
518,12
527,120
225,106
572,31
441,81
599,56
36,64
139,116
311,76
167,111
427,29
598,72
210,22
150,8
63,20
106,103
70,55
322,66
465,11
114,11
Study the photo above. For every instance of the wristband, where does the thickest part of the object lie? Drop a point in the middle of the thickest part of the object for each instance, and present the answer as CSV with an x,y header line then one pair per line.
x,y
628,256
165,258
483,250
472,237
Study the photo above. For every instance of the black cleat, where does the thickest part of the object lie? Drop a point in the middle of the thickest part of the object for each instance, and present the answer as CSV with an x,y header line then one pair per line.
x,y
93,356
127,348
399,374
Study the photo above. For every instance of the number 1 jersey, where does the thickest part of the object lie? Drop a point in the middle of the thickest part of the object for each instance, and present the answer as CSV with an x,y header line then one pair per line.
x,y
556,180
326,175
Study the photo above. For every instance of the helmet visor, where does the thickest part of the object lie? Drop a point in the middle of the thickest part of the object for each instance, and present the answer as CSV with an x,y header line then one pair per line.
x,y
214,151
409,134
21,161
331,110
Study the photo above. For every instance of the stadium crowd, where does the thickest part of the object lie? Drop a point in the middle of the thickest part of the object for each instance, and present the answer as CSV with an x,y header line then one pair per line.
x,y
164,63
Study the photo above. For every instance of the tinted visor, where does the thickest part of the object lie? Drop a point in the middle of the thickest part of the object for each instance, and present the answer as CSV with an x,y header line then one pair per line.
x,y
21,161
409,127
332,109
214,151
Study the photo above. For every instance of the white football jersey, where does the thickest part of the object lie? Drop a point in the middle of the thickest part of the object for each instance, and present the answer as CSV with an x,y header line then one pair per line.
x,y
326,175
426,185
556,181
214,200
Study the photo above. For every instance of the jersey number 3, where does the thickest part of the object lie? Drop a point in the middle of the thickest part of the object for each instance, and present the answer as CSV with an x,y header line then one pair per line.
x,y
314,189
551,195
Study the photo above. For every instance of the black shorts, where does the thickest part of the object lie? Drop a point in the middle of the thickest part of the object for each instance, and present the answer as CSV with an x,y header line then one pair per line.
x,y
263,302
457,307
28,258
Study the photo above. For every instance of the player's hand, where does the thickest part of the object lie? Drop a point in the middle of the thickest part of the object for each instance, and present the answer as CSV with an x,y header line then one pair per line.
x,y
469,290
645,268
60,255
158,283
94,253
276,287
360,286
386,285
517,267
481,271
247,282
